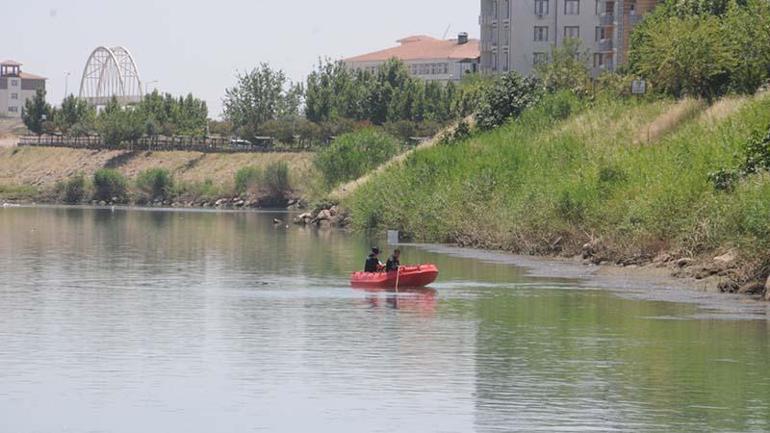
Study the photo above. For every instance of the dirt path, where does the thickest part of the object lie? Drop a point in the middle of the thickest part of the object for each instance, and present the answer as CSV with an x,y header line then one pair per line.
x,y
8,141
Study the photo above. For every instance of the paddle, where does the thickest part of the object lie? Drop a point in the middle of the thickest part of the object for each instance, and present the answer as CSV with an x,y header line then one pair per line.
x,y
398,274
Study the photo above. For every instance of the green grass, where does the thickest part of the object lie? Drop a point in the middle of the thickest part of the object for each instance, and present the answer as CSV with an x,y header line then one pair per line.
x,y
590,176
18,192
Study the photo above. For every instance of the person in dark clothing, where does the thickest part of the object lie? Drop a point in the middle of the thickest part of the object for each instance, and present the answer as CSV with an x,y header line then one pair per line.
x,y
373,263
393,263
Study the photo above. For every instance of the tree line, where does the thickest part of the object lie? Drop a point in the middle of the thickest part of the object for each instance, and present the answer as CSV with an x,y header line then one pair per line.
x,y
701,48
336,99
156,114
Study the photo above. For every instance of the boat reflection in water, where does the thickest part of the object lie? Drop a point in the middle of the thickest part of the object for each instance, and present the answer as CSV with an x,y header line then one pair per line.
x,y
418,299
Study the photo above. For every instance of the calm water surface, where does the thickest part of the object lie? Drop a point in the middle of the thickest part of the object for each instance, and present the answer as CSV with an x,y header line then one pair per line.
x,y
159,321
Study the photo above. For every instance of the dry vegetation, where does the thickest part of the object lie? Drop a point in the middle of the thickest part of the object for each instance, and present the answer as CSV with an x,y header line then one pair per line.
x,y
41,168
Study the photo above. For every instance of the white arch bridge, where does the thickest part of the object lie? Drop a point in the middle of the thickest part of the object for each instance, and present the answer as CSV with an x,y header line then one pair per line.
x,y
111,72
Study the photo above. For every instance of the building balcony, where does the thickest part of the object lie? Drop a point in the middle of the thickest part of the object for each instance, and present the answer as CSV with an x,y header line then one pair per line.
x,y
487,20
604,45
606,19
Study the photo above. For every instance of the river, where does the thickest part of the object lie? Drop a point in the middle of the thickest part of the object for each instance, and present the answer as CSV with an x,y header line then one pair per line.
x,y
179,321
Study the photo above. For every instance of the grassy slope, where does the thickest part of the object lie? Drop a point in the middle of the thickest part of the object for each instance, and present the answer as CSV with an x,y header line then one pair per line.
x,y
26,169
592,176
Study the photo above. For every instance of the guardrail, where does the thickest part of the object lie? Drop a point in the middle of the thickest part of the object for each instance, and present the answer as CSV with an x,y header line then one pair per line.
x,y
160,143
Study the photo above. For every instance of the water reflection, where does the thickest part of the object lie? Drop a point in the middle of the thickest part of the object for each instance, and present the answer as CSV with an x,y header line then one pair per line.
x,y
418,299
158,321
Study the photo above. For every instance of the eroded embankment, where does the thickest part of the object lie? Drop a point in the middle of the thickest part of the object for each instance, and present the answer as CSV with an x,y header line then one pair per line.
x,y
32,172
624,182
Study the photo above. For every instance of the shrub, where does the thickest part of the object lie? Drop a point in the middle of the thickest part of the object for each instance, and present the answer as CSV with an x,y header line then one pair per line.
x,y
247,178
724,180
756,159
700,49
155,183
199,191
276,179
109,184
352,155
566,68
560,105
507,98
75,189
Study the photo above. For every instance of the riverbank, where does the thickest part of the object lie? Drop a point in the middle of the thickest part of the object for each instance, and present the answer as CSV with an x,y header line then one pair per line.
x,y
33,174
620,182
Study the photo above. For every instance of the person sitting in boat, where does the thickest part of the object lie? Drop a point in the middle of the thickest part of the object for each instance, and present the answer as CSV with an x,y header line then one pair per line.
x,y
393,263
373,263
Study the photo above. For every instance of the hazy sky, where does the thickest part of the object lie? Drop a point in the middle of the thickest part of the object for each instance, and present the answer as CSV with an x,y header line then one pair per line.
x,y
197,46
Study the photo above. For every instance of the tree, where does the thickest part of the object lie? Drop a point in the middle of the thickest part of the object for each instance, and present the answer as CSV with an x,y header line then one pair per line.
x,y
566,69
686,56
36,111
171,116
510,95
117,125
74,117
704,47
747,30
259,96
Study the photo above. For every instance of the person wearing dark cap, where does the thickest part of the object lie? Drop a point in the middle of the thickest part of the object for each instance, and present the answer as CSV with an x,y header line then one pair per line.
x,y
373,263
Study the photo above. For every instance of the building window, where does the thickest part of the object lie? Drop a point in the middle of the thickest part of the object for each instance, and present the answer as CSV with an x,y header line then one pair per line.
x,y
494,61
13,109
507,11
598,7
602,60
506,61
494,8
507,35
602,33
541,34
571,32
539,58
571,7
14,83
541,7
14,96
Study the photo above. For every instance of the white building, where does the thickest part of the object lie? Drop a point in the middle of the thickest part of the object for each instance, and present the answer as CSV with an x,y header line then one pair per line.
x,y
518,34
426,57
16,87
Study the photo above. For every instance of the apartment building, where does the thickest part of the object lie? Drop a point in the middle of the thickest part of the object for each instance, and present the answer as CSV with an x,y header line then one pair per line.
x,y
519,34
16,87
426,57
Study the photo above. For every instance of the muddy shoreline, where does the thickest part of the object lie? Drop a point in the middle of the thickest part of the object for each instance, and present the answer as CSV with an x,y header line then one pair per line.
x,y
649,282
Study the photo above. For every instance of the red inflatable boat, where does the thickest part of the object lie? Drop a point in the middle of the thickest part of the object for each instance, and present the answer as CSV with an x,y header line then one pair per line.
x,y
408,276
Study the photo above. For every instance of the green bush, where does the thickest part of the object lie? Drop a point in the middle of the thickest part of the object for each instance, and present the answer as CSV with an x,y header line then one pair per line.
x,y
276,179
75,189
155,183
352,155
247,178
507,98
110,184
699,49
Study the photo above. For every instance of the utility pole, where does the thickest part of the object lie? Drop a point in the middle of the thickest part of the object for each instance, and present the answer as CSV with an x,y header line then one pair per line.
x,y
66,83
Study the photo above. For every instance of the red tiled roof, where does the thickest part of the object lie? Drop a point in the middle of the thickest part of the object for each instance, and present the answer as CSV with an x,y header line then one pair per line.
x,y
27,76
424,47
10,63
